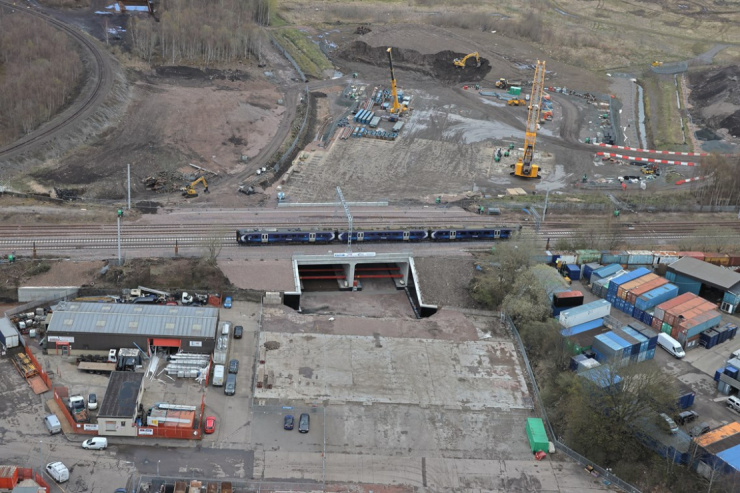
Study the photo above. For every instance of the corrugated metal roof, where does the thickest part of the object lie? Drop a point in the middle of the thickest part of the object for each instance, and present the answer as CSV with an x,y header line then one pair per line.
x,y
119,400
719,434
135,319
704,271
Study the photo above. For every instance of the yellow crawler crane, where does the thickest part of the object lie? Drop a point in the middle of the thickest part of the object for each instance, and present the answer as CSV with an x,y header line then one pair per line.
x,y
396,107
524,167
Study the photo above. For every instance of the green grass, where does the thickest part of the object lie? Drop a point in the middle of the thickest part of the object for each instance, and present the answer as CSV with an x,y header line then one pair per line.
x,y
277,21
305,52
663,114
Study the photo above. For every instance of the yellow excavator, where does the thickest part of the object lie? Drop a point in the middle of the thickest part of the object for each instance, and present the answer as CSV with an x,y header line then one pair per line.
x,y
502,83
396,107
189,190
524,167
460,62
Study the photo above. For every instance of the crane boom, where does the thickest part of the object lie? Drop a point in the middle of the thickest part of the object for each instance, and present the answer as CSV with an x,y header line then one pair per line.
x,y
395,105
524,166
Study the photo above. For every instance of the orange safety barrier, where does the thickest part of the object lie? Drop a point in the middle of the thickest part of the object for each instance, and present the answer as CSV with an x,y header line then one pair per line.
x,y
44,376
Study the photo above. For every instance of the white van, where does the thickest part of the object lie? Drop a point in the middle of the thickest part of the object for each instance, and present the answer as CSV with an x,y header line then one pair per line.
x,y
225,328
52,424
95,443
671,345
218,376
58,471
733,403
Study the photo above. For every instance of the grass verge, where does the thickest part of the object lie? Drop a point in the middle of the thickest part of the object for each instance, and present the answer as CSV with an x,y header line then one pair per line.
x,y
305,52
663,113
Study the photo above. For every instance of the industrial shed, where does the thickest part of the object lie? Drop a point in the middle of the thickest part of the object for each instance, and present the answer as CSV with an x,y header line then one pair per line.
x,y
709,281
77,328
719,452
117,416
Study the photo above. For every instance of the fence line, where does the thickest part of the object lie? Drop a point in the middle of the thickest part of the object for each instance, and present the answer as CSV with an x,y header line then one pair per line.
x,y
559,445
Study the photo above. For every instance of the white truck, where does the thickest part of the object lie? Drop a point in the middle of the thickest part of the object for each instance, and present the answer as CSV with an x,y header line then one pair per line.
x,y
218,375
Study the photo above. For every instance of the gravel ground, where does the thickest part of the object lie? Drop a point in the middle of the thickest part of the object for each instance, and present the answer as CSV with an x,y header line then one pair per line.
x,y
444,280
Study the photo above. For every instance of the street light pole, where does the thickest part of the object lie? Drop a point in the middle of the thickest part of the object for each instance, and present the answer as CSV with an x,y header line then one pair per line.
x,y
128,168
120,214
157,468
41,457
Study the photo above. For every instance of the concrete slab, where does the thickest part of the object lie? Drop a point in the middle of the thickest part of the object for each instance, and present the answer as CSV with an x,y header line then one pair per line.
x,y
269,274
475,374
436,474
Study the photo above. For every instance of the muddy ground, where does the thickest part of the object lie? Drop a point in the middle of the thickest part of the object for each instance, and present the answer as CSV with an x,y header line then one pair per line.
x,y
716,99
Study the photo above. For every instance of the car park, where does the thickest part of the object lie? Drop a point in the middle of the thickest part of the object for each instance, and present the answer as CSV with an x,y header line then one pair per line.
x,y
303,423
288,422
227,302
699,429
234,366
58,471
92,402
95,443
52,424
210,425
238,332
686,417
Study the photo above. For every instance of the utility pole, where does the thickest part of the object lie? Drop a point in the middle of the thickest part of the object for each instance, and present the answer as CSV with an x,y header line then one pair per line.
x,y
128,167
120,215
349,219
544,210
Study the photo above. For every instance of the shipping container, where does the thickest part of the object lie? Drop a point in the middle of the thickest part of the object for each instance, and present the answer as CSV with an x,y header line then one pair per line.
x,y
678,300
722,333
610,349
672,316
638,291
717,259
573,271
734,260
538,441
585,313
565,258
695,326
615,283
604,272
656,296
574,360
588,256
644,341
620,258
709,338
375,122
587,364
398,126
587,270
686,400
9,335
625,288
640,257
584,327
664,258
567,299
696,255
602,377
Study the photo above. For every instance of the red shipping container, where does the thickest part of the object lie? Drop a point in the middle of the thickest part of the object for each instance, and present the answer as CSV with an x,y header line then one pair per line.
x,y
672,313
656,323
648,286
696,255
735,260
8,477
678,300
568,294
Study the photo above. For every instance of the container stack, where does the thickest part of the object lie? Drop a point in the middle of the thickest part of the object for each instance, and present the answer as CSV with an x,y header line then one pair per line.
x,y
621,302
604,272
615,347
646,302
602,377
587,270
614,284
573,272
588,256
579,338
600,287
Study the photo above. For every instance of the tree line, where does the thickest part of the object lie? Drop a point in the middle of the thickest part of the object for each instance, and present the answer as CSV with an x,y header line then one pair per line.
x,y
39,72
200,32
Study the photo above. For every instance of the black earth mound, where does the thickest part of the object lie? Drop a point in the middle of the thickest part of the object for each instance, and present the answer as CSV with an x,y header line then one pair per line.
x,y
438,65
718,86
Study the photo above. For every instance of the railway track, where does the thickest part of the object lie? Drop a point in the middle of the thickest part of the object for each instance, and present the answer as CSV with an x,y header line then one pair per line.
x,y
99,81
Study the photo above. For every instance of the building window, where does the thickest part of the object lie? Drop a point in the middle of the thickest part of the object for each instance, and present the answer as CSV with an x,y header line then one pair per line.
x,y
197,327
100,323
173,310
69,321
169,326
105,308
133,325
123,423
110,426
138,309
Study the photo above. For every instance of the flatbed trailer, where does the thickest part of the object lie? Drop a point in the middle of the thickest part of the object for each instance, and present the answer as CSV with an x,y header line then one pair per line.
x,y
93,367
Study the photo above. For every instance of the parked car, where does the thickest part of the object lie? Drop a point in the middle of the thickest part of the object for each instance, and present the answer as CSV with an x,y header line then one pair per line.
x,y
686,417
227,302
58,471
92,402
210,425
52,424
95,443
234,366
288,422
230,387
238,332
303,423
668,424
699,429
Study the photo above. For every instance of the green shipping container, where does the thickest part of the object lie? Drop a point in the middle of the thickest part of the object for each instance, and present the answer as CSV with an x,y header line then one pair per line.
x,y
588,256
666,328
537,435
515,91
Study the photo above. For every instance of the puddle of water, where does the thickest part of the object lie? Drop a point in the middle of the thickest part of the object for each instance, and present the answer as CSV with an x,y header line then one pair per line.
x,y
641,118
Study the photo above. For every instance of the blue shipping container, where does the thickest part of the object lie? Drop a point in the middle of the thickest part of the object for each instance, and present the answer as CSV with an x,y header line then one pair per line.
x,y
723,333
647,318
634,344
604,272
731,371
686,400
698,329
574,272
685,284
575,360
717,373
585,327
588,270
656,296
626,347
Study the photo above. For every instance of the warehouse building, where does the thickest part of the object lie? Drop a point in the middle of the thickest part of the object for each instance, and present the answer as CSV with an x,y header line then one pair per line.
x,y
90,328
711,282
120,406
718,452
